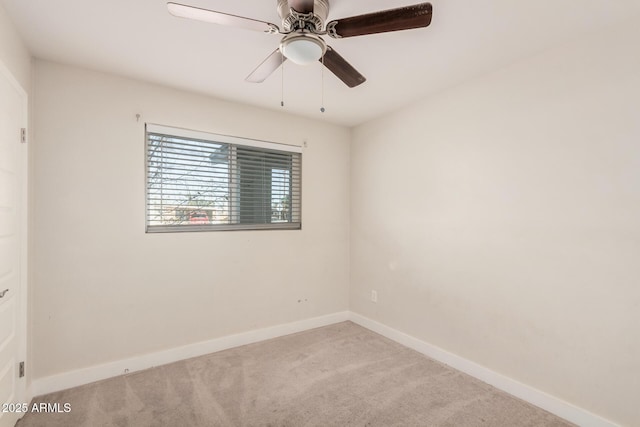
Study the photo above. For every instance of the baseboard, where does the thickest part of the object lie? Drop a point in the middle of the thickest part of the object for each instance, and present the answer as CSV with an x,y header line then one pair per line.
x,y
29,393
91,374
529,394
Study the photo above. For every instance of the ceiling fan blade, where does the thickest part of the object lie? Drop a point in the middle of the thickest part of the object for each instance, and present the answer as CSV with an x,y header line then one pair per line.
x,y
341,68
301,6
267,67
184,11
402,18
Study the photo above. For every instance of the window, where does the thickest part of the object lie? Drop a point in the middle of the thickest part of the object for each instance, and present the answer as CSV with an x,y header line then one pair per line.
x,y
198,181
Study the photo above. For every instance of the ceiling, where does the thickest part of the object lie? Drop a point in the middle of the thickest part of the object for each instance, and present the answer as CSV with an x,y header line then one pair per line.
x,y
466,38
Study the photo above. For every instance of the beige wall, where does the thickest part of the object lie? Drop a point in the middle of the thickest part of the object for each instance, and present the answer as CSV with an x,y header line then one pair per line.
x,y
105,290
13,53
499,221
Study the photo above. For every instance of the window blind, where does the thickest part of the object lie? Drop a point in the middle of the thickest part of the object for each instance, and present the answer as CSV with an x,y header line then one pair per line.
x,y
197,181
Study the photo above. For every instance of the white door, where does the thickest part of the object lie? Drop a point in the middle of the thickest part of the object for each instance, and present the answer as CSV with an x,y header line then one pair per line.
x,y
12,248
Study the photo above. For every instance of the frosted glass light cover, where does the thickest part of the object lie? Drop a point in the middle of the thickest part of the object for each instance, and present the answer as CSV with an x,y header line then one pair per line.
x,y
302,51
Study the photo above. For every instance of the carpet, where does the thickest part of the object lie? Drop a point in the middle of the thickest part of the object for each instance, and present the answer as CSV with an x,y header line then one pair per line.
x,y
338,375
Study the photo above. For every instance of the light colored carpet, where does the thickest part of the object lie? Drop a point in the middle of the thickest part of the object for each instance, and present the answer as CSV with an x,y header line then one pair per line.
x,y
338,375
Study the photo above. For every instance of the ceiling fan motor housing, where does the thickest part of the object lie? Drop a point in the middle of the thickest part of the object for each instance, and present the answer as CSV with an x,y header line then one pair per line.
x,y
296,21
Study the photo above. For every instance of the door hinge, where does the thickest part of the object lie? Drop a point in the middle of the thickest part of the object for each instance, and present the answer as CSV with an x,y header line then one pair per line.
x,y
21,370
23,135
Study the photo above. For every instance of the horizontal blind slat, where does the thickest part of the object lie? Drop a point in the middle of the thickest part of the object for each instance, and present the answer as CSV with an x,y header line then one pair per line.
x,y
199,184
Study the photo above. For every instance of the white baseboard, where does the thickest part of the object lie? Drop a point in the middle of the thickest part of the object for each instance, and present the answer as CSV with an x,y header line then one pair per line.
x,y
90,374
529,394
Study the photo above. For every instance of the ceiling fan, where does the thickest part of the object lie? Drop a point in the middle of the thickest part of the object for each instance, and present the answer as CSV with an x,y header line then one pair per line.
x,y
303,24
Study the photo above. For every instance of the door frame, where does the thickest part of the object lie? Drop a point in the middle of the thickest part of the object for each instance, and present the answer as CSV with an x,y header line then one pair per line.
x,y
23,221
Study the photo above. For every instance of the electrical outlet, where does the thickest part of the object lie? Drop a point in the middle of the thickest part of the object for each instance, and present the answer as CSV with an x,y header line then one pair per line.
x,y
374,296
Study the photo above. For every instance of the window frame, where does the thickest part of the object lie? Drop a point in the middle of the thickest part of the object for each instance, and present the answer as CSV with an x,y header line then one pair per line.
x,y
233,141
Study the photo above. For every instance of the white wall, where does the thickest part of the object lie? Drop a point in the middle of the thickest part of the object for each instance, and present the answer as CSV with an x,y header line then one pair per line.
x,y
499,220
13,53
103,289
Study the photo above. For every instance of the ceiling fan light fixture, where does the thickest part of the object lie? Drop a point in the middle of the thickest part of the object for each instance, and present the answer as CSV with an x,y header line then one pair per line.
x,y
303,49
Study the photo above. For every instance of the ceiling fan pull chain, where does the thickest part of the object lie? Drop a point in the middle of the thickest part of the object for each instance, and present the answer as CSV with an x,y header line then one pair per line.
x,y
282,82
322,87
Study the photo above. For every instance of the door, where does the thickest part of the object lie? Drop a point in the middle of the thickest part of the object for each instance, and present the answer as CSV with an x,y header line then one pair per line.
x,y
12,248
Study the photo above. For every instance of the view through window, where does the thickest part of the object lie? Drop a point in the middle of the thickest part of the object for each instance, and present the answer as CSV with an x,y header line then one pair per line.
x,y
198,181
